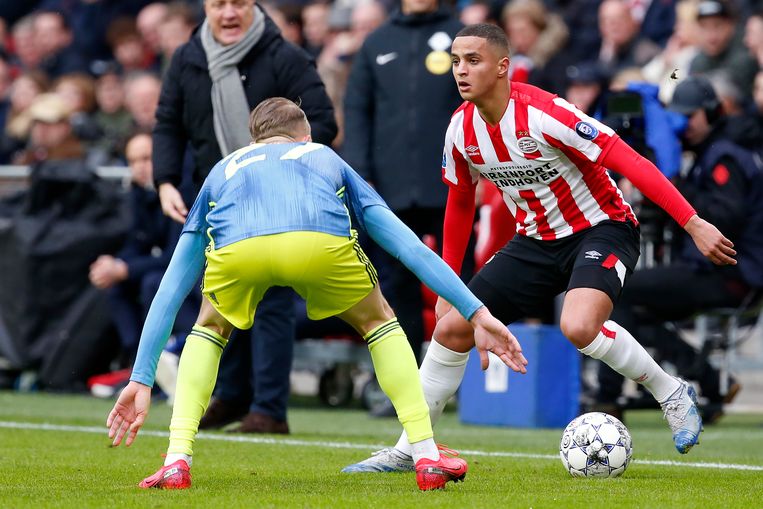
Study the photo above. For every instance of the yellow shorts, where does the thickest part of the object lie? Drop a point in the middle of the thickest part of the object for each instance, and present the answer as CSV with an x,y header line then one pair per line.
x,y
331,273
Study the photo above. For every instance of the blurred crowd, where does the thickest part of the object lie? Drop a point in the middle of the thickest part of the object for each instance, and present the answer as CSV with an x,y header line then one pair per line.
x,y
81,78
104,59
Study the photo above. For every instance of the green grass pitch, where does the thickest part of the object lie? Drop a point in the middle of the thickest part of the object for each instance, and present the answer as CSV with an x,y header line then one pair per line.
x,y
54,452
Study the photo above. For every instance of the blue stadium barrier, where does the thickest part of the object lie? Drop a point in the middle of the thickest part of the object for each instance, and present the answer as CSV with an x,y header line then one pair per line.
x,y
546,397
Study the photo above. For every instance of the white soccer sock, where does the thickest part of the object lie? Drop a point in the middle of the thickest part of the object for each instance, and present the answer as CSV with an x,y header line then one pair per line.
x,y
441,373
425,449
620,351
173,457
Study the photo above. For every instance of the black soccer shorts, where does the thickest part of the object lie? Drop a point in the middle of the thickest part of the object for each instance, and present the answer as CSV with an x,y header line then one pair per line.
x,y
526,274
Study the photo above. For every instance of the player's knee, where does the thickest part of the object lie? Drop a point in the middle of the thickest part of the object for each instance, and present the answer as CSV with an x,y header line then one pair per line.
x,y
454,334
580,332
224,330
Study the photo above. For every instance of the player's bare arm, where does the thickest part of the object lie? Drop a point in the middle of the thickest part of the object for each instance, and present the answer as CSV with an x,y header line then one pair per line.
x,y
652,183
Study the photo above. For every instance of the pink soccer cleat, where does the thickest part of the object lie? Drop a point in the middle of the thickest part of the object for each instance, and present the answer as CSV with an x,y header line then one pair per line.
x,y
176,476
433,475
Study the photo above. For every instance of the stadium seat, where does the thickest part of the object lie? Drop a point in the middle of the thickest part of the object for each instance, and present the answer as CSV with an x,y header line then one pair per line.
x,y
721,330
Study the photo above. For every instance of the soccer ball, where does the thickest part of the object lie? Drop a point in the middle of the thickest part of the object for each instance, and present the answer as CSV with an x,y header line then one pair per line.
x,y
595,445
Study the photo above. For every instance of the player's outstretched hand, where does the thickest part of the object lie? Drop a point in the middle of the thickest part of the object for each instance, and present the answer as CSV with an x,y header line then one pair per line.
x,y
490,335
711,242
129,413
172,202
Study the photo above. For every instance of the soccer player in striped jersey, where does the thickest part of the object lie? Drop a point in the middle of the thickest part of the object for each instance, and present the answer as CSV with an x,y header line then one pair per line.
x,y
575,232
276,213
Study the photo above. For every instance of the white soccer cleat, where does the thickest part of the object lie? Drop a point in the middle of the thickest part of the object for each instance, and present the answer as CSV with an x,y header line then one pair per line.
x,y
683,416
386,460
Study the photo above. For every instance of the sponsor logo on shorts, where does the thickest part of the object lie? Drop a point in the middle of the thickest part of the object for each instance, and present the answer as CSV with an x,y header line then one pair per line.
x,y
586,131
592,255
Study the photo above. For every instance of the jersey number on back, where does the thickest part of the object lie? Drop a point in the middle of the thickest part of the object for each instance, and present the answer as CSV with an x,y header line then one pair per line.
x,y
233,165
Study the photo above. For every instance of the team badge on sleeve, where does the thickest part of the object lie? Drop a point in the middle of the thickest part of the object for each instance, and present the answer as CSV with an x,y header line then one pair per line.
x,y
444,160
586,131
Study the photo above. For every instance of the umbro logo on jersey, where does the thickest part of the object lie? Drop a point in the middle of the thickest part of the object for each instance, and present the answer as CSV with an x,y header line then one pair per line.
x,y
593,255
385,58
472,150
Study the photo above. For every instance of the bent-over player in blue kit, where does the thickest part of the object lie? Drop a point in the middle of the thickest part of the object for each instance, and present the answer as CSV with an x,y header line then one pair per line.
x,y
277,213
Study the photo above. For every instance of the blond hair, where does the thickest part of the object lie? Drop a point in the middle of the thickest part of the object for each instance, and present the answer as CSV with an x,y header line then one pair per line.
x,y
278,116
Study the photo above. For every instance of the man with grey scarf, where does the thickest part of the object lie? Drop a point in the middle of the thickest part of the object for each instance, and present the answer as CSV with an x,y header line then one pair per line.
x,y
234,60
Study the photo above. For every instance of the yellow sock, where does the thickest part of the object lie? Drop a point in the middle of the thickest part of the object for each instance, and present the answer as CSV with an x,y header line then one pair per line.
x,y
197,375
398,376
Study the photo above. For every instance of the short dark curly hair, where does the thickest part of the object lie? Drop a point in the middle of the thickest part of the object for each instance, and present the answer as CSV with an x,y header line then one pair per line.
x,y
493,34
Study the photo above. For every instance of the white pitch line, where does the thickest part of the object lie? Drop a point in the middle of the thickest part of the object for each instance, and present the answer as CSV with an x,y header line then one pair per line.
x,y
350,445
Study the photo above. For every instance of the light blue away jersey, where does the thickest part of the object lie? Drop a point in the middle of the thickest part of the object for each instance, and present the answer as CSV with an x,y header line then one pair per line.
x,y
272,188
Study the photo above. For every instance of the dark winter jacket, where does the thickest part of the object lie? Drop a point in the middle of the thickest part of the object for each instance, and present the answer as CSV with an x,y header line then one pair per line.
x,y
273,68
725,186
152,235
400,97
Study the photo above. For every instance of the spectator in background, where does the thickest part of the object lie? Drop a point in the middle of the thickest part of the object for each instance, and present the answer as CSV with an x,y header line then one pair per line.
x,y
234,61
111,117
78,92
132,276
475,12
25,47
753,36
656,18
720,49
348,31
53,37
586,86
621,44
90,20
535,36
740,125
672,64
580,21
315,26
288,19
402,98
366,17
51,136
25,89
127,46
148,22
175,30
142,92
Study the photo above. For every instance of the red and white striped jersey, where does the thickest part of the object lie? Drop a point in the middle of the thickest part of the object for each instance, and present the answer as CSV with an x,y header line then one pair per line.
x,y
544,156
